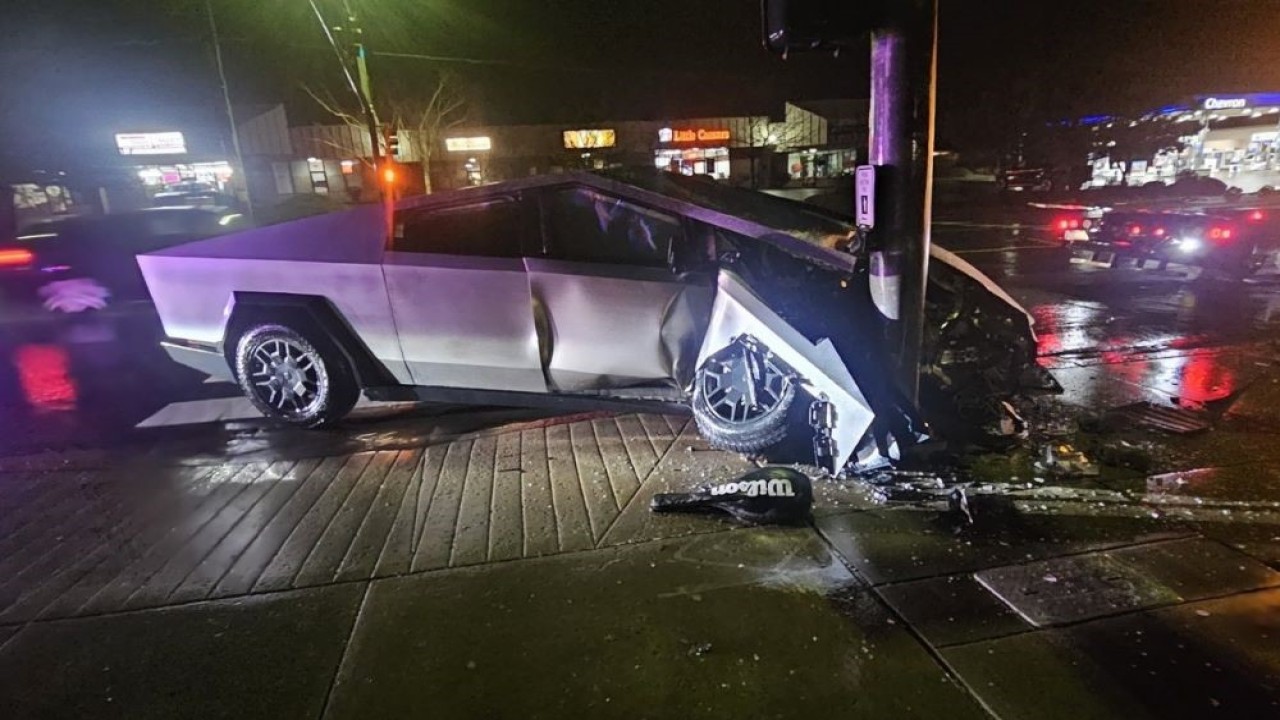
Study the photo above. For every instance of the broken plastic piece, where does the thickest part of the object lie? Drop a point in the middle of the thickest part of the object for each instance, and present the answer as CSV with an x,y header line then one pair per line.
x,y
769,495
958,502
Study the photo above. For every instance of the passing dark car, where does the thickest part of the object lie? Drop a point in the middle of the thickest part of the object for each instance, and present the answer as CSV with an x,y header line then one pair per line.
x,y
1027,180
103,247
1232,242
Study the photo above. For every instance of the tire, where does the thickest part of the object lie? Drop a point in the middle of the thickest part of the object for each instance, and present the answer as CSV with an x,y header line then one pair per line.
x,y
295,376
1241,264
721,397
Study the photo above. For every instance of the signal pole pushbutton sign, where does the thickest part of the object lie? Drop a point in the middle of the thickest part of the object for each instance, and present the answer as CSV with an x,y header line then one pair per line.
x,y
864,188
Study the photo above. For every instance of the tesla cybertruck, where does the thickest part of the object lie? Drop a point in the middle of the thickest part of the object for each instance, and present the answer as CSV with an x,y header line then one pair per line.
x,y
594,290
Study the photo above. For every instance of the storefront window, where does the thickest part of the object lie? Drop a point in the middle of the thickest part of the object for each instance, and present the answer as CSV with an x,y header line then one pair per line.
x,y
211,177
694,161
817,164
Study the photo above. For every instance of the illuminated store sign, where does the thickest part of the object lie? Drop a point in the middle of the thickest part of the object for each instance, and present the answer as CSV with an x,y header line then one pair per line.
x,y
588,139
1214,103
468,144
669,135
158,143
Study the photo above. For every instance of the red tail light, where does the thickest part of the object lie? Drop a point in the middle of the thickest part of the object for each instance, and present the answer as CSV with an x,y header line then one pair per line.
x,y
1220,233
16,257
1159,232
1063,224
1135,229
1257,216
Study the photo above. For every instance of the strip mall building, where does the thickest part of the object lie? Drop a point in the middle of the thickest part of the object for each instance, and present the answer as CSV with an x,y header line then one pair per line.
x,y
175,157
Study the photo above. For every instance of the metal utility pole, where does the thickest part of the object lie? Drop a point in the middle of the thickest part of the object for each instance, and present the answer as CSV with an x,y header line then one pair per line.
x,y
362,91
231,113
903,97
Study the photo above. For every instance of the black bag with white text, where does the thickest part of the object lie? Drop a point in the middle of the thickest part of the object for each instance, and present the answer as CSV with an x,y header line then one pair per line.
x,y
777,495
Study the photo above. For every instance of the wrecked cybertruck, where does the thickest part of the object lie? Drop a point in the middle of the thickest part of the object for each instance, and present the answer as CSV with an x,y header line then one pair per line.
x,y
642,290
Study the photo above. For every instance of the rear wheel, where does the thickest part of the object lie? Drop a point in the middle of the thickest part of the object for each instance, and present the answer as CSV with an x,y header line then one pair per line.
x,y
1242,262
295,376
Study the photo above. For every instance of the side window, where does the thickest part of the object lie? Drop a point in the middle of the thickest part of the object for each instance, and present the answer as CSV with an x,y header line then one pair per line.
x,y
589,226
490,229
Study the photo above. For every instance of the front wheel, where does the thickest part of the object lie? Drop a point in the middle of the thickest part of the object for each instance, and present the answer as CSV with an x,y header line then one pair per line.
x,y
741,396
291,377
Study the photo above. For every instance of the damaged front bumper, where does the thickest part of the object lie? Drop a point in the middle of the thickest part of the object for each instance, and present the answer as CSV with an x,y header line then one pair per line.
x,y
834,405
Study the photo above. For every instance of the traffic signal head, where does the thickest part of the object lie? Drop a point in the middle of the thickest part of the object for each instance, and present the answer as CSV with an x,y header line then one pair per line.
x,y
798,25
393,144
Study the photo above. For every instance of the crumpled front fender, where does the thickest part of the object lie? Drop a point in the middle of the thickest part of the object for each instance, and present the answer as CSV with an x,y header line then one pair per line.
x,y
737,311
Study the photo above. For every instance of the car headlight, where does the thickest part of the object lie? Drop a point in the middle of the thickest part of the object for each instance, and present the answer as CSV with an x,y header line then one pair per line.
x,y
1189,244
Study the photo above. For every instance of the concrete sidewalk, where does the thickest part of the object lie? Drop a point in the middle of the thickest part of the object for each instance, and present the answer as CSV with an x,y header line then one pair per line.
x,y
517,572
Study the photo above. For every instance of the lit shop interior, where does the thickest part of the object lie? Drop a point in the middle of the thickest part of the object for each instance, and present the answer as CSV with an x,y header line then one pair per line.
x,y
166,173
707,158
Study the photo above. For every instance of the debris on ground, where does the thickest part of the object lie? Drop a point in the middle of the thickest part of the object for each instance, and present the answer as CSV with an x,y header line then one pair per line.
x,y
777,495
1064,460
1126,455
699,649
958,503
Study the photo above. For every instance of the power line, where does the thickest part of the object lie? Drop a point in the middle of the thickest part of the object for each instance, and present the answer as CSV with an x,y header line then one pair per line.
x,y
614,70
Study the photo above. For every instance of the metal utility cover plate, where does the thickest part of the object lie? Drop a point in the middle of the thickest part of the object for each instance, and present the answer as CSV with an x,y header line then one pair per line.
x,y
1169,419
1080,587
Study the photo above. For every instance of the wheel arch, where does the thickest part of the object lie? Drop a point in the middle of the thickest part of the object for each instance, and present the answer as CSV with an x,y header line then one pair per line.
x,y
316,313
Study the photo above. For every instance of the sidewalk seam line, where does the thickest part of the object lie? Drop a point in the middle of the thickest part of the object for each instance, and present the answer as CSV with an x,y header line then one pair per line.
x,y
1032,629
431,502
457,515
309,588
346,647
404,495
555,511
608,475
646,479
493,496
364,519
1190,535
635,469
932,651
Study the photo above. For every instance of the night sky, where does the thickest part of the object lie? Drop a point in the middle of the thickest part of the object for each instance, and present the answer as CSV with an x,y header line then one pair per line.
x,y
71,65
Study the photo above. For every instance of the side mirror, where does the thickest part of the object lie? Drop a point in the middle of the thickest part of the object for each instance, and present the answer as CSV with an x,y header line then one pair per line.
x,y
799,25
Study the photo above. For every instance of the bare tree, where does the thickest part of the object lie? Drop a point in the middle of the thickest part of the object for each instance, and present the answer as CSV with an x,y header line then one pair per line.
x,y
350,118
424,121
420,119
